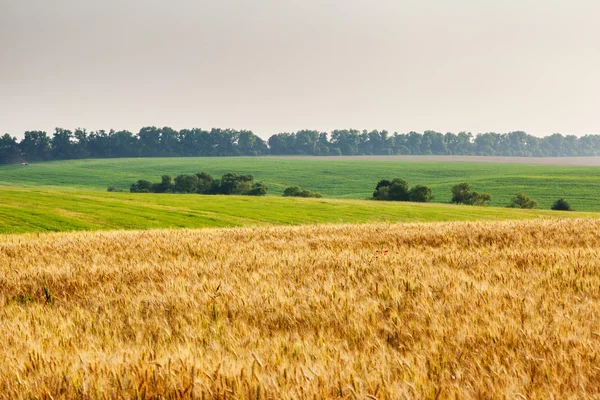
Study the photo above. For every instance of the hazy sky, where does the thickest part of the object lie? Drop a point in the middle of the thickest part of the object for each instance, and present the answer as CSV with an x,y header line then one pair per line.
x,y
282,65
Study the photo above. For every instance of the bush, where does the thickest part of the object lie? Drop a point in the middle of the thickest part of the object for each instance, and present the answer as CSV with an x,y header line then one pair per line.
x,y
397,190
561,205
186,183
111,188
232,183
258,189
296,191
203,183
142,186
462,194
522,201
420,194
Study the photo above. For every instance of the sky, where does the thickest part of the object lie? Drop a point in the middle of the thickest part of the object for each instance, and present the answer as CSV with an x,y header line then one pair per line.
x,y
275,66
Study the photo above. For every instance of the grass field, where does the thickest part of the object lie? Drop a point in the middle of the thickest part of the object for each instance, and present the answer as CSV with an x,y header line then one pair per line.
x,y
349,179
38,210
449,310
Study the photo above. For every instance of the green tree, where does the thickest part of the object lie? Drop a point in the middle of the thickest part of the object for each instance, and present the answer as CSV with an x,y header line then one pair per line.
x,y
561,205
292,191
420,194
382,189
205,183
165,186
395,190
35,146
462,194
142,186
9,149
398,190
296,191
186,183
258,189
232,183
522,201
63,145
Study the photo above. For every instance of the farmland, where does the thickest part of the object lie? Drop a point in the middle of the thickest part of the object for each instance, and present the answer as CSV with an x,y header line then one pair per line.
x,y
40,209
464,301
344,179
469,309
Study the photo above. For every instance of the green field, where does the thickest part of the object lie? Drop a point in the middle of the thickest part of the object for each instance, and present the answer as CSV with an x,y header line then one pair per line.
x,y
71,195
353,179
38,210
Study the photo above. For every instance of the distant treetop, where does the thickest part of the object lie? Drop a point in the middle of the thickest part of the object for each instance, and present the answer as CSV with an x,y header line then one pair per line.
x,y
167,142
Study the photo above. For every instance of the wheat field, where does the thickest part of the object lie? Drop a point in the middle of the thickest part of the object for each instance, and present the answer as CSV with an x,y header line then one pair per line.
x,y
383,311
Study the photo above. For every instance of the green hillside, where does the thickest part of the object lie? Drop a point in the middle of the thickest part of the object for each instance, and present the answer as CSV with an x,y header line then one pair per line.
x,y
38,210
353,179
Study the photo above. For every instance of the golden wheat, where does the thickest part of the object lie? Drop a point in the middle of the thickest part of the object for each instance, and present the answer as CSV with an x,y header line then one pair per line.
x,y
473,310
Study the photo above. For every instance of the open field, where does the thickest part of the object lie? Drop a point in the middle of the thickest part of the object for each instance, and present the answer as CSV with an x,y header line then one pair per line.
x,y
574,161
350,179
474,310
39,210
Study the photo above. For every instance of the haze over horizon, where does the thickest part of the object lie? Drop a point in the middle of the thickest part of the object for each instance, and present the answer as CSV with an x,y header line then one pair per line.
x,y
275,66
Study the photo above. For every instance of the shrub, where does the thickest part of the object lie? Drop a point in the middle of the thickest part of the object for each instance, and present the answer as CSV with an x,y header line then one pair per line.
x,y
258,189
111,188
142,186
522,201
186,183
296,191
462,194
203,183
561,205
397,190
232,183
420,194
292,191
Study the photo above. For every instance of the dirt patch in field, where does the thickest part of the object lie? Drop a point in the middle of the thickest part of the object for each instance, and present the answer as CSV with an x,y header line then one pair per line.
x,y
575,161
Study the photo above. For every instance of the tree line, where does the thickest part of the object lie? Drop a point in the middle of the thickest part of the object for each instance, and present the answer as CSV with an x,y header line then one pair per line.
x,y
201,183
167,142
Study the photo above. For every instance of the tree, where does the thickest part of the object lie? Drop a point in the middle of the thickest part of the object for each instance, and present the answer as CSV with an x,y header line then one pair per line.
x,y
81,144
398,190
165,186
296,191
232,183
62,144
205,183
258,189
306,142
142,186
420,194
292,191
522,201
35,146
167,142
9,149
186,183
561,205
462,194
395,190
150,141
